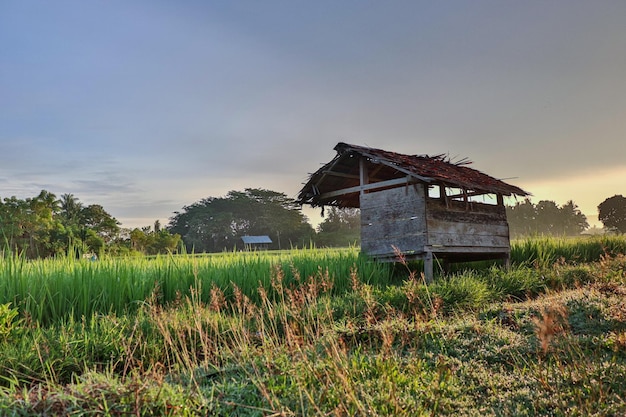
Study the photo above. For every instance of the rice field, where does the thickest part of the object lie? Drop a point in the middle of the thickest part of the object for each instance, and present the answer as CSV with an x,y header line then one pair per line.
x,y
49,290
545,251
316,332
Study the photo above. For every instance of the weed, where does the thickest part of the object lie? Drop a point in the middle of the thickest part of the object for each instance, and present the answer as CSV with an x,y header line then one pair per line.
x,y
550,322
8,322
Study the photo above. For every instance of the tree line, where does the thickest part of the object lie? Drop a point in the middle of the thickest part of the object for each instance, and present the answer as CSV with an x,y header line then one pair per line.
x,y
547,218
44,225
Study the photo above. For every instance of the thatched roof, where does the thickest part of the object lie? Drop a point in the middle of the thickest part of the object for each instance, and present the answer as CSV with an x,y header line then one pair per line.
x,y
343,172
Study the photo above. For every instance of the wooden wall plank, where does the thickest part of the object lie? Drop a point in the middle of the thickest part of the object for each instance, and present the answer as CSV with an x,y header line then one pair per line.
x,y
437,226
393,217
406,244
459,240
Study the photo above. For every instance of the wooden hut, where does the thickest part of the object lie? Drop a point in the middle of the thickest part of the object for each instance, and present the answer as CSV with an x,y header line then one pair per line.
x,y
416,206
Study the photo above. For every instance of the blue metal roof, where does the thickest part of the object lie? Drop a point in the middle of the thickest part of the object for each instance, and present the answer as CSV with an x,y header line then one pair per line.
x,y
252,240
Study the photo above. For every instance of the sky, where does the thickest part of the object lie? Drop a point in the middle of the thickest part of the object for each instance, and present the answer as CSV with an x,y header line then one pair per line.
x,y
146,106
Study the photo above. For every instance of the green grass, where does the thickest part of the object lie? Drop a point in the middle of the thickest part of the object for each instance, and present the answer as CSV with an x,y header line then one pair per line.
x,y
51,290
325,333
545,251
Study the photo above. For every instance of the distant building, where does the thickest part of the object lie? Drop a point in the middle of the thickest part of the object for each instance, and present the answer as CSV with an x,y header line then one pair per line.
x,y
416,206
256,242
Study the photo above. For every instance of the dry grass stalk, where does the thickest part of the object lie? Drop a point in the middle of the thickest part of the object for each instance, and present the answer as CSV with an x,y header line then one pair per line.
x,y
553,321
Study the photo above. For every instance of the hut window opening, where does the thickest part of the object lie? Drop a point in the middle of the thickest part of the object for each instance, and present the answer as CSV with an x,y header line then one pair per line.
x,y
434,192
460,195
491,199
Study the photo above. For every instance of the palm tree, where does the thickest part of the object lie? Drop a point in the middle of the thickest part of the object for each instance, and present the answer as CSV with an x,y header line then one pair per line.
x,y
45,204
70,209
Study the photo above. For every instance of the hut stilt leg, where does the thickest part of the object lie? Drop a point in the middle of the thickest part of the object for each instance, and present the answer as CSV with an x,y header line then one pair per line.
x,y
428,267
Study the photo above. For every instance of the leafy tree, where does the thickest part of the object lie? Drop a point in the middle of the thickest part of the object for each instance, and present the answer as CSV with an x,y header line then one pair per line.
x,y
205,226
93,242
44,226
521,218
341,227
154,242
94,217
612,213
27,226
574,221
45,205
214,224
546,217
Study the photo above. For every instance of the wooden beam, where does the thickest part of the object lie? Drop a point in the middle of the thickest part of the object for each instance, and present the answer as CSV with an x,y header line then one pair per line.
x,y
349,176
468,194
368,187
331,165
341,174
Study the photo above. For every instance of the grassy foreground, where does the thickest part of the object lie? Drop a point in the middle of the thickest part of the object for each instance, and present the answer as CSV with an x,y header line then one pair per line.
x,y
547,337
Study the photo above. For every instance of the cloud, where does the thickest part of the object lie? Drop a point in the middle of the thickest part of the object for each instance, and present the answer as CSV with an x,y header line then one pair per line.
x,y
146,107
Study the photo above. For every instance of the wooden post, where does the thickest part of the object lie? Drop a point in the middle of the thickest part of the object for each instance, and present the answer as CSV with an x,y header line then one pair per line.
x,y
442,195
428,267
465,199
363,175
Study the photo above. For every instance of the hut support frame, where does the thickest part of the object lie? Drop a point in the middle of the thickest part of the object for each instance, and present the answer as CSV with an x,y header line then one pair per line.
x,y
428,267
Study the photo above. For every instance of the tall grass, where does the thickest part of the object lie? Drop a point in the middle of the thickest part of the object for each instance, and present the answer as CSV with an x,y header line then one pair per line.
x,y
317,342
49,290
545,251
